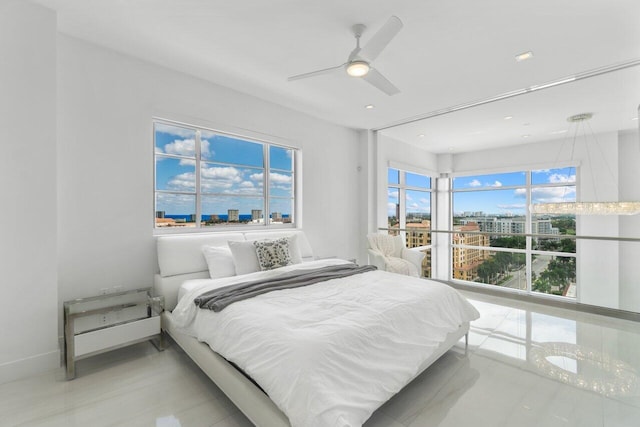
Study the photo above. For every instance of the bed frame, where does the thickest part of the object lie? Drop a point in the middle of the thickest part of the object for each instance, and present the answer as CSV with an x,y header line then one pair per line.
x,y
180,258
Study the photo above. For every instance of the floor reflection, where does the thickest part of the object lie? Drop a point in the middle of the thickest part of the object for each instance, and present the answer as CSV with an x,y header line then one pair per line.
x,y
573,348
588,369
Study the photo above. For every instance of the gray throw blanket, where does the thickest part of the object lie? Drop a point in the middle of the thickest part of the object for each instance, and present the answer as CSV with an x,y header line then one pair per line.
x,y
218,299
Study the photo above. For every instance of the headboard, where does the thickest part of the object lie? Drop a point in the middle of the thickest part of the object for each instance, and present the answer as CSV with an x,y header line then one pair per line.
x,y
180,257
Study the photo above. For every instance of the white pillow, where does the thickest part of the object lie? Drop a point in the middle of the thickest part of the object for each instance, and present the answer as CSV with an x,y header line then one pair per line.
x,y
273,253
245,258
294,249
219,261
244,255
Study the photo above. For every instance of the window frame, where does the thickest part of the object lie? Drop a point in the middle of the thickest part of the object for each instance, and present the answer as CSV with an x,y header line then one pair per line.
x,y
529,251
198,193
402,189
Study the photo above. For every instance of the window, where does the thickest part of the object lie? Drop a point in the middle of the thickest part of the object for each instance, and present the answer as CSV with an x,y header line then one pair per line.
x,y
409,211
208,179
496,241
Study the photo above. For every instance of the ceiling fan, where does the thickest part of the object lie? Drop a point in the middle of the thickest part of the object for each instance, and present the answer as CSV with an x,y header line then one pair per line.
x,y
359,61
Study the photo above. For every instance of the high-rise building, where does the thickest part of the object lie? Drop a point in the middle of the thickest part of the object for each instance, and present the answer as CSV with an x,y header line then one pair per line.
x,y
276,217
514,225
419,234
159,214
467,260
233,215
256,214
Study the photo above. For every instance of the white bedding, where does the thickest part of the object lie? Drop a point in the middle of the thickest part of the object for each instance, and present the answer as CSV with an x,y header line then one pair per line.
x,y
329,354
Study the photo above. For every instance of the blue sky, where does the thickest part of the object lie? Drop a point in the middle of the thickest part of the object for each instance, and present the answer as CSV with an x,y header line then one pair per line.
x,y
498,193
231,173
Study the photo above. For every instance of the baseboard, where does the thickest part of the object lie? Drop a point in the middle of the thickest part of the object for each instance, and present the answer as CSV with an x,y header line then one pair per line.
x,y
29,366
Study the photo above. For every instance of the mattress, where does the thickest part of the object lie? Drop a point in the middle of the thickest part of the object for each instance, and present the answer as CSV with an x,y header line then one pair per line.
x,y
331,353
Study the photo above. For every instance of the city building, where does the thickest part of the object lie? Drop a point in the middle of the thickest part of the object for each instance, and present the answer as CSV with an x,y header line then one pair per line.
x,y
233,215
256,214
466,261
511,225
418,234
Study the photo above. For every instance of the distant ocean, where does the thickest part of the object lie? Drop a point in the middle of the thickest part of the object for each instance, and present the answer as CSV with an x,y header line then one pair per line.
x,y
221,217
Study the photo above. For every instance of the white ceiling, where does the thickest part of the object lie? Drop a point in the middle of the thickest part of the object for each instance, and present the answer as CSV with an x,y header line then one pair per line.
x,y
448,53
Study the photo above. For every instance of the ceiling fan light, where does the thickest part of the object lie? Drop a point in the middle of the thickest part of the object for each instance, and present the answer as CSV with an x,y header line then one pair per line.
x,y
357,68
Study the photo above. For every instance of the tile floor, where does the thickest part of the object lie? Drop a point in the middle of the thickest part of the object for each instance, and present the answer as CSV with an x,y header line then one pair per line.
x,y
527,365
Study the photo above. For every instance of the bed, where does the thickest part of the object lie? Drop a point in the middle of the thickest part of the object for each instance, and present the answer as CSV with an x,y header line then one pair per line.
x,y
326,354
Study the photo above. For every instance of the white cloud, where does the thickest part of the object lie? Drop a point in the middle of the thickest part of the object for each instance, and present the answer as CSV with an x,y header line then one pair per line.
x,y
205,147
183,182
173,130
181,147
475,183
511,206
214,178
561,178
553,194
496,184
520,192
186,147
205,134
167,201
417,207
548,194
279,178
392,193
228,173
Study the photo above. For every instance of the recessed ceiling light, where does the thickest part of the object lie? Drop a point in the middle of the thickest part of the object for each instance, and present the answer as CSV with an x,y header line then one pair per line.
x,y
556,132
508,117
369,106
421,135
635,118
524,56
526,136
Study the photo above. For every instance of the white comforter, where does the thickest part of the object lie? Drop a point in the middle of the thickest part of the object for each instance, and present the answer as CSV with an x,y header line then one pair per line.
x,y
330,354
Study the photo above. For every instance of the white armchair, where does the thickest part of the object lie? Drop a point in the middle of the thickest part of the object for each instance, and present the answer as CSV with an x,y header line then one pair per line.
x,y
390,254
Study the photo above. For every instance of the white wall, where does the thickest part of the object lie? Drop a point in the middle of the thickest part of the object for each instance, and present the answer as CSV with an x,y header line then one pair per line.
x,y
28,176
105,159
629,161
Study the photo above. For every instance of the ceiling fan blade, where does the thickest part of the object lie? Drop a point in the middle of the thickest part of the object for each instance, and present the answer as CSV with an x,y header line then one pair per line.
x,y
378,80
317,73
381,39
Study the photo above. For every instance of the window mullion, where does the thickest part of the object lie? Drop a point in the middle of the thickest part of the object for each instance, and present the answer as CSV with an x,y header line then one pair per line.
x,y
528,230
198,152
265,190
